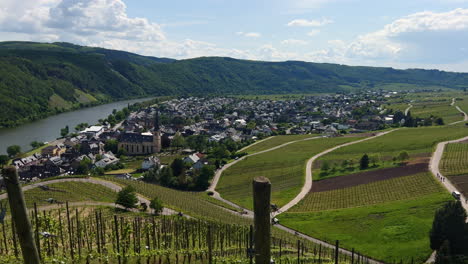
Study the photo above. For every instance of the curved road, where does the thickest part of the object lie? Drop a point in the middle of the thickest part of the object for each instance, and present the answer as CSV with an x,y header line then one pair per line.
x,y
407,109
110,185
465,116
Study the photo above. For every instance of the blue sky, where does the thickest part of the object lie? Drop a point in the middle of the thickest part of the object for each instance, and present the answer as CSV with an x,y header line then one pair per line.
x,y
401,34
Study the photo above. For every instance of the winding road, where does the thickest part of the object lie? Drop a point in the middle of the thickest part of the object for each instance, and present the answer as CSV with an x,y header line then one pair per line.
x,y
465,116
407,109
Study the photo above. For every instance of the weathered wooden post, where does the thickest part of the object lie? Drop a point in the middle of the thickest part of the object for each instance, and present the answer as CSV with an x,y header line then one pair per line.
x,y
262,234
20,216
337,251
352,256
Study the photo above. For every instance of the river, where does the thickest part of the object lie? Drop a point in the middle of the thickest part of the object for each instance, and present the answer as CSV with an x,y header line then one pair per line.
x,y
48,129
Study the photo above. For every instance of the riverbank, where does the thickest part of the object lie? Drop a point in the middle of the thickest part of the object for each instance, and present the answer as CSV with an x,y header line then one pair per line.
x,y
48,129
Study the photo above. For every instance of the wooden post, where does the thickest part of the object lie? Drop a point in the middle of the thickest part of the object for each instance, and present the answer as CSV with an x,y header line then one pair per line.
x,y
262,234
337,251
20,216
352,256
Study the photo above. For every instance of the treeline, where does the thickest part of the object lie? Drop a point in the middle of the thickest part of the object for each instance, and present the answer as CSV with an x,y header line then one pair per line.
x,y
39,79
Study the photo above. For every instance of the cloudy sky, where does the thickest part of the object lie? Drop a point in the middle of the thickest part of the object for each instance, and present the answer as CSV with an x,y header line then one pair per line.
x,y
398,33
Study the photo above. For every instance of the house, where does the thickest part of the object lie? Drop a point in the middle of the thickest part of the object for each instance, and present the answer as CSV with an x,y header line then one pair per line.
x,y
106,160
192,158
51,151
150,162
200,164
93,131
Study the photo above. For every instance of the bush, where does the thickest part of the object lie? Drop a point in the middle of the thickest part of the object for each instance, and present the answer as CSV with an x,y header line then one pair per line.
x,y
127,197
157,205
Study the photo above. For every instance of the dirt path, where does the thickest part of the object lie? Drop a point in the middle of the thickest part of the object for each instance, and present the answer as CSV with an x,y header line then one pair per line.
x,y
110,185
260,141
465,116
407,109
308,181
434,168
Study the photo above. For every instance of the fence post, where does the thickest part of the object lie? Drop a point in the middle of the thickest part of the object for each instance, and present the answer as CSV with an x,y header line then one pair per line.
x,y
20,216
337,251
352,256
262,193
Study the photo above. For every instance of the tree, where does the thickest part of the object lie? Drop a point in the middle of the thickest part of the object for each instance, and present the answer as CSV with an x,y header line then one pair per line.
x,y
157,205
364,162
449,224
83,167
3,160
36,144
13,150
178,166
64,131
166,176
439,121
403,156
443,255
127,197
325,166
112,145
178,141
203,180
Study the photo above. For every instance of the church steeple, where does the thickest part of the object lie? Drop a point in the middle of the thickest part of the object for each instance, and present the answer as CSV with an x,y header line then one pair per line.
x,y
156,120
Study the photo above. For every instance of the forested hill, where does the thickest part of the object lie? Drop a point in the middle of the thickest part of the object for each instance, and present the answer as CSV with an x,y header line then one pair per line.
x,y
39,79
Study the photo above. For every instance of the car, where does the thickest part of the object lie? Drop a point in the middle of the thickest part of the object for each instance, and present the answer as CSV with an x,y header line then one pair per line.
x,y
456,195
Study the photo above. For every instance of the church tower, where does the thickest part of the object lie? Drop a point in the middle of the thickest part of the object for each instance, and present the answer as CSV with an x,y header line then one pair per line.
x,y
156,133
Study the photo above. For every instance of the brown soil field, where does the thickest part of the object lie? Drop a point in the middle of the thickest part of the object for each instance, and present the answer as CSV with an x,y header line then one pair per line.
x,y
461,182
355,179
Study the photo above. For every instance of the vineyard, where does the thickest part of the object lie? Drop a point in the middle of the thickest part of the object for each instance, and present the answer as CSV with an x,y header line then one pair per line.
x,y
69,191
84,235
399,188
284,167
275,141
415,141
455,159
394,232
441,109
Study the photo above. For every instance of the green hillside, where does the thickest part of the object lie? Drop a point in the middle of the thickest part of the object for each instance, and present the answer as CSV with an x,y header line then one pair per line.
x,y
40,79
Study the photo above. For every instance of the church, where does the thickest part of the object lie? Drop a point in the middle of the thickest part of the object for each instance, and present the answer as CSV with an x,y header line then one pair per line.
x,y
142,143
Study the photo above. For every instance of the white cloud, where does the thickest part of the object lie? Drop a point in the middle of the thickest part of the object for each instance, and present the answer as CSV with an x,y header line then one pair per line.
x,y
314,32
249,34
294,42
309,23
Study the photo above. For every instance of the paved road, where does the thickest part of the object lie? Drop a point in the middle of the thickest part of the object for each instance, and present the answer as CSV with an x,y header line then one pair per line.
x,y
110,185
407,109
308,181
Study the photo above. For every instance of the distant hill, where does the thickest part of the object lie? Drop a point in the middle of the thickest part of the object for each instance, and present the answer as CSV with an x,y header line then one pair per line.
x,y
40,79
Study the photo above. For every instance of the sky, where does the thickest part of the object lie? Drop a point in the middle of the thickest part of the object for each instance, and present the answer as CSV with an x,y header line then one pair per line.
x,y
429,34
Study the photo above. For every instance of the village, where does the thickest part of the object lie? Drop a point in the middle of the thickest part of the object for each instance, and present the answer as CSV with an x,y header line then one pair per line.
x,y
200,132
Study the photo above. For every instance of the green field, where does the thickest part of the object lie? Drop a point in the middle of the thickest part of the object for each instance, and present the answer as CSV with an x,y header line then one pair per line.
x,y
440,108
71,192
284,167
416,141
399,188
389,232
275,141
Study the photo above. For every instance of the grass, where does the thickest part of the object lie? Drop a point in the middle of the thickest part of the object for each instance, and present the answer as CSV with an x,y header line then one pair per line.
x,y
275,141
399,188
284,167
415,141
441,109
388,232
71,192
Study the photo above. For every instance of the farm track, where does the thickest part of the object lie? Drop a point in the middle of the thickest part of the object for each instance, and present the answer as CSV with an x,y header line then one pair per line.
x,y
434,168
110,185
407,109
465,116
